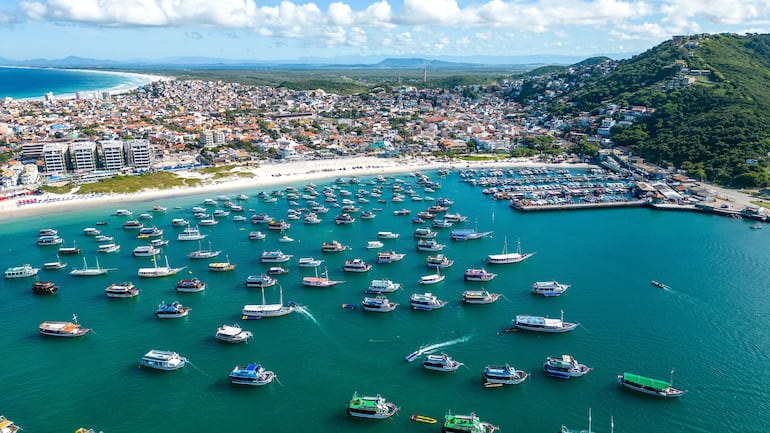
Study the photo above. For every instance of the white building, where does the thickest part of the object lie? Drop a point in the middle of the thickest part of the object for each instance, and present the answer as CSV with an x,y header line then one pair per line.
x,y
56,157
84,156
139,155
113,155
30,175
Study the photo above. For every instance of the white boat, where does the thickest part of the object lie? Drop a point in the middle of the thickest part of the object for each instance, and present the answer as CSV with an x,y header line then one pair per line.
x,y
543,324
285,238
277,270
425,302
356,265
432,278
239,218
387,235
8,426
150,232
63,329
22,271
372,245
123,212
479,297
503,374
158,271
439,261
478,275
322,281
208,222
145,251
132,225
371,407
86,271
274,257
256,235
48,240
467,234
190,285
158,209
48,232
333,247
441,362
54,266
103,238
311,218
429,245
424,233
382,286
190,234
379,304
221,266
252,374
233,334
90,231
121,290
549,288
389,257
251,312
455,217
278,225
505,257
180,222
203,254
260,281
174,310
221,213
309,262
70,250
564,367
108,248
163,360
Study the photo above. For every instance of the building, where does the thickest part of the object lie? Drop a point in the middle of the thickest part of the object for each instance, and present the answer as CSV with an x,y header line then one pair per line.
x,y
56,157
138,153
31,151
113,155
83,156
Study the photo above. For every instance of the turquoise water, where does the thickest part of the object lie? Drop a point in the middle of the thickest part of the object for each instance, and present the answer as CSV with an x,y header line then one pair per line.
x,y
36,82
711,326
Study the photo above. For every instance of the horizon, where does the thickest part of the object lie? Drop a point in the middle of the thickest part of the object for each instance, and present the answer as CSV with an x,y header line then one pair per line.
x,y
278,31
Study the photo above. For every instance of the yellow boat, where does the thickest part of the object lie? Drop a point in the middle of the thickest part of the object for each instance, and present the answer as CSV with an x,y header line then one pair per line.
x,y
425,419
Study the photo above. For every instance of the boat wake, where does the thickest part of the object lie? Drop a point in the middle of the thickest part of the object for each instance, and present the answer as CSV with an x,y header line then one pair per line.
x,y
304,311
431,348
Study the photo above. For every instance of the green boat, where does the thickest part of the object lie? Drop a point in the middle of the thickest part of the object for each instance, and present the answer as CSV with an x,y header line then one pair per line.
x,y
371,407
465,424
651,386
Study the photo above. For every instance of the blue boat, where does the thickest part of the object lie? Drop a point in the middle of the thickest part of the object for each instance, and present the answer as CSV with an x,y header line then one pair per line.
x,y
252,374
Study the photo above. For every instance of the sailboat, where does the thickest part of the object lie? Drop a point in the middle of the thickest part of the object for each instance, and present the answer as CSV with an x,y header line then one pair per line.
x,y
252,312
566,430
432,278
55,265
505,257
158,271
203,254
85,271
322,281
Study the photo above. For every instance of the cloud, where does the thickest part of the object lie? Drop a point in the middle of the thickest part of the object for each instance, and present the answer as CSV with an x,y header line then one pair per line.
x,y
720,11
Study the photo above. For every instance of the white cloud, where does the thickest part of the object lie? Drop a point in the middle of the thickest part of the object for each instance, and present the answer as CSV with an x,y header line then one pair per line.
x,y
434,12
720,11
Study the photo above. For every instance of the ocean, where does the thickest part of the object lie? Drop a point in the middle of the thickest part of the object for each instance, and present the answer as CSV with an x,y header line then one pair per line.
x,y
22,83
710,326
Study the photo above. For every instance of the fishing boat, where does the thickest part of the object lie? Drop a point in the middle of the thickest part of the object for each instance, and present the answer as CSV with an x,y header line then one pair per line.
x,y
70,250
54,265
158,271
564,367
108,248
322,281
333,247
64,329
424,233
478,275
438,261
371,407
252,312
190,285
429,245
549,288
277,270
382,286
356,265
505,257
45,241
233,334
252,375
441,362
163,360
309,262
260,281
8,426
425,302
543,324
145,251
221,266
173,310
44,287
651,386
423,419
22,271
467,234
465,424
385,257
503,374
87,271
256,235
121,290
379,304
479,297
373,245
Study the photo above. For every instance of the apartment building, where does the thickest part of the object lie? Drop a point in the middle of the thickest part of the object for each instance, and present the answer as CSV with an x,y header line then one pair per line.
x,y
56,157
113,155
83,156
139,154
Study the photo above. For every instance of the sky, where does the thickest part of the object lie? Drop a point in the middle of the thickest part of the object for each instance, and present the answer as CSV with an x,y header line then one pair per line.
x,y
289,30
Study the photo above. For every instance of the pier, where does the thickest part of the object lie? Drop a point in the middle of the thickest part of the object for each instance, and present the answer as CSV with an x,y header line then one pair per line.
x,y
522,207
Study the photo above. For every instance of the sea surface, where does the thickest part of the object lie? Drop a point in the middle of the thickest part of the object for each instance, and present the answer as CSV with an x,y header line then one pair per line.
x,y
711,326
21,83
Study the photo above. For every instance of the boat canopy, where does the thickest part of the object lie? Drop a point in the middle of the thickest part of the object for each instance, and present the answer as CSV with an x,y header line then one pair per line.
x,y
657,384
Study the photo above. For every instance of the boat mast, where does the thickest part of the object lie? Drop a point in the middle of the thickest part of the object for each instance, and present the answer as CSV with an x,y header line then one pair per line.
x,y
671,379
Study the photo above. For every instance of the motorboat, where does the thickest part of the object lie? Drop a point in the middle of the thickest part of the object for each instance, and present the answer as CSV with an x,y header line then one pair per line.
x,y
505,257
121,290
22,271
256,235
259,311
441,224
424,233
651,386
158,209
87,271
180,222
479,297
564,367
190,285
261,218
277,270
399,212
382,286
543,324
209,202
190,234
8,426
425,302
150,232
478,275
44,287
503,374
90,231
387,235
233,334
465,424
455,218
173,310
132,225
278,225
145,251
429,245
389,257
208,222
108,248
221,266
48,232
70,250
356,265
467,234
103,238
45,241
333,247
221,213
158,271
54,265
322,281
260,281
367,214
309,262
441,362
63,329
549,288
432,278
438,261
274,257
123,212
379,304
252,374
163,360
285,238
373,245
371,407
311,218
344,218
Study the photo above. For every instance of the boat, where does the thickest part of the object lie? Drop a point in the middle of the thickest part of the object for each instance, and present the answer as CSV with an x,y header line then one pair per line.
x,y
70,250
257,235
102,223
344,218
150,232
379,304
387,235
309,262
441,224
333,247
90,231
367,214
455,217
103,238
422,418
429,245
86,271
232,334
505,257
252,374
209,202
145,251
285,238
277,270
549,288
180,222
659,284
123,212
356,265
173,310
121,290
45,241
478,275
54,265
22,271
389,257
438,261
8,426
479,297
467,234
404,211
48,232
145,216
221,266
261,218
564,367
242,197
756,226
274,257
64,329
441,362
278,225
371,407
108,248
503,374
44,288
158,271
425,302
163,360
260,281
543,324
432,278
190,234
311,218
373,245
221,213
322,281
564,429
256,311
190,285
424,233
465,424
158,209
382,286
651,386
208,222
132,225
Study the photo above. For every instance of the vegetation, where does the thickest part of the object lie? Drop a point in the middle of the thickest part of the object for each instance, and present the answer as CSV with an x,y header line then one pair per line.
x,y
132,184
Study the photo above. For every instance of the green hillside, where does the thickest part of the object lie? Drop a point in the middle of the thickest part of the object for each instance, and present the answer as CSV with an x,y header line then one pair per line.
x,y
711,94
